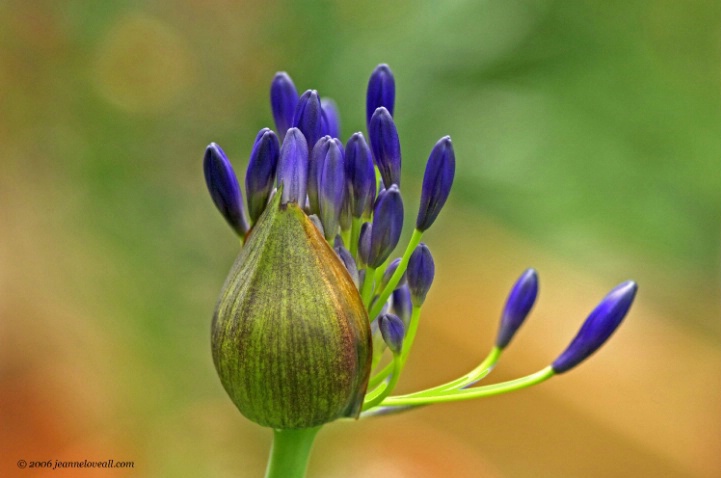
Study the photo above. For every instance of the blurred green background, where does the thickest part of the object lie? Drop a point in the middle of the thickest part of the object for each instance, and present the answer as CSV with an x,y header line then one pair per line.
x,y
588,141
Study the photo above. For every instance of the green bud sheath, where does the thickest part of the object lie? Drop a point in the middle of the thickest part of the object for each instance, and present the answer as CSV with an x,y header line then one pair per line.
x,y
290,336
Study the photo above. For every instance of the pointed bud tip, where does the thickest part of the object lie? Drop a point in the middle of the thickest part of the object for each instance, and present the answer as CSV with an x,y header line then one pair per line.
x,y
518,305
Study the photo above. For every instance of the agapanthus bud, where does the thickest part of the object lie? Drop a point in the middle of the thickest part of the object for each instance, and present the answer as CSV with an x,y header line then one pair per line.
x,y
437,182
346,219
330,119
293,167
598,327
386,146
402,305
390,270
291,339
315,161
361,176
283,101
260,175
419,274
381,91
224,188
519,304
364,242
308,115
347,259
387,225
393,332
331,188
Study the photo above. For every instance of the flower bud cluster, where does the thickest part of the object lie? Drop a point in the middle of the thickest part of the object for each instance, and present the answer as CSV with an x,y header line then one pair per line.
x,y
333,223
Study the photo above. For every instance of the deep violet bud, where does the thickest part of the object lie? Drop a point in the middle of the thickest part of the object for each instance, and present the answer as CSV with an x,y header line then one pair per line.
x,y
393,332
361,176
260,175
419,274
315,161
364,242
437,182
307,117
387,225
330,119
386,146
389,273
224,188
381,91
519,304
283,102
347,260
402,305
331,188
598,327
293,167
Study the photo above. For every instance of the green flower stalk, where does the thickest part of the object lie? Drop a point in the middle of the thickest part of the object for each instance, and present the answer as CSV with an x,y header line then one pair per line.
x,y
315,323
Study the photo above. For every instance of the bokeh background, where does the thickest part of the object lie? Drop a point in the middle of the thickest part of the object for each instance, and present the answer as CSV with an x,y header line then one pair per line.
x,y
588,141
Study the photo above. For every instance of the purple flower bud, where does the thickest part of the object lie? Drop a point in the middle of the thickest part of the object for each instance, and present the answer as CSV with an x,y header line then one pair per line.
x,y
224,188
598,327
330,118
389,272
261,171
315,162
519,304
350,265
283,101
381,91
361,176
419,274
364,243
386,146
307,117
402,305
437,181
387,225
393,332
331,188
293,167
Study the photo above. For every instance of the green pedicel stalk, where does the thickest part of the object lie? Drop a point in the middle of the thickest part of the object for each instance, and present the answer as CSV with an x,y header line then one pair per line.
x,y
396,277
290,452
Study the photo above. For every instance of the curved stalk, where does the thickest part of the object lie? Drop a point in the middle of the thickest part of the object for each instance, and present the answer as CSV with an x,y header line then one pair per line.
x,y
290,452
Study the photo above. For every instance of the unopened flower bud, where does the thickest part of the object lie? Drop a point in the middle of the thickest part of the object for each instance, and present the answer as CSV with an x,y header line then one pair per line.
x,y
293,167
283,101
260,175
330,118
419,274
224,188
331,188
393,332
307,117
386,146
598,327
437,182
390,270
402,305
348,261
519,304
291,339
387,225
381,91
361,176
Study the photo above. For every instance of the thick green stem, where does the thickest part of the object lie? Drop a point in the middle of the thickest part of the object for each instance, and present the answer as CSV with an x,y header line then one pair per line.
x,y
367,289
290,452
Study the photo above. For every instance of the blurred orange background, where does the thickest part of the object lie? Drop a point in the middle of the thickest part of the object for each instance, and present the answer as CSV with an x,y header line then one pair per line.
x,y
587,137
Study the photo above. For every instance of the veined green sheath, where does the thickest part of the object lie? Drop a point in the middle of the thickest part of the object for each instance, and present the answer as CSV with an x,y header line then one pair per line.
x,y
291,339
